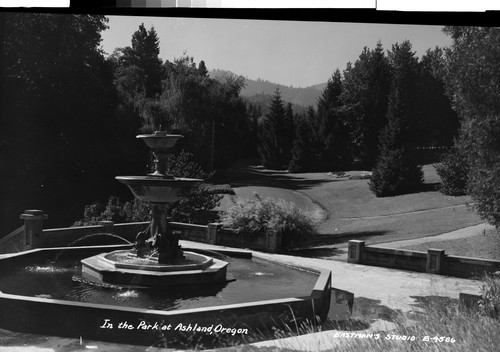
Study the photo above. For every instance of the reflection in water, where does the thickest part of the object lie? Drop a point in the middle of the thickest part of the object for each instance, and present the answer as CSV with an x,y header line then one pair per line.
x,y
49,269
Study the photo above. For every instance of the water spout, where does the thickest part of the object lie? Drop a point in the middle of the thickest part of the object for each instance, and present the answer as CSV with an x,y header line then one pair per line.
x,y
92,236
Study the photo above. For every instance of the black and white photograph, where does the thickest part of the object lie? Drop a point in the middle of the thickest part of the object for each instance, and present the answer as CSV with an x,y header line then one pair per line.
x,y
273,180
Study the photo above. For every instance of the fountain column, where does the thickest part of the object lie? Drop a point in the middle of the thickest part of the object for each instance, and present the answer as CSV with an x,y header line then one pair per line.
x,y
164,239
159,190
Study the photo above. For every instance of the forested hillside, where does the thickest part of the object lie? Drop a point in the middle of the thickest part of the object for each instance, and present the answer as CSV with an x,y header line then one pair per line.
x,y
298,96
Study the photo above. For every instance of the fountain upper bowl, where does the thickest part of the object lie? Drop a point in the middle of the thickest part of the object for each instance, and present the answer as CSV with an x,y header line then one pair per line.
x,y
154,189
160,140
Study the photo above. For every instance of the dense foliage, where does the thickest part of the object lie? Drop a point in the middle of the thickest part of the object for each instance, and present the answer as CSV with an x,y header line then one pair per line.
x,y
62,136
453,171
473,78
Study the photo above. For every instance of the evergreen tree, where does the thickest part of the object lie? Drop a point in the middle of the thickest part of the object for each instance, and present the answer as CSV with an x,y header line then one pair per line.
x,y
272,136
333,144
146,51
396,171
288,131
139,71
302,154
202,69
365,95
438,123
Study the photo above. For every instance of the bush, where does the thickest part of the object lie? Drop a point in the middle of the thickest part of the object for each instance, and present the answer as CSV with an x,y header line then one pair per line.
x,y
489,305
116,211
453,171
270,215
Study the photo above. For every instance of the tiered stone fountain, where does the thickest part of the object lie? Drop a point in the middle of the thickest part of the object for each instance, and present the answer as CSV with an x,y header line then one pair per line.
x,y
157,259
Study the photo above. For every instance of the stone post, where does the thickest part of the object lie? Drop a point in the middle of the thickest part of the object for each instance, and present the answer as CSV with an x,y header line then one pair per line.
x,y
212,233
435,261
356,251
33,228
273,241
107,226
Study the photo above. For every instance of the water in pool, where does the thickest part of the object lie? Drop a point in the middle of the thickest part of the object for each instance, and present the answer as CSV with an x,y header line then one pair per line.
x,y
254,280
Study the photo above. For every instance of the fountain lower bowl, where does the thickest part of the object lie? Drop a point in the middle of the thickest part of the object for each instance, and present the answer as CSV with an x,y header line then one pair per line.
x,y
157,189
129,260
118,268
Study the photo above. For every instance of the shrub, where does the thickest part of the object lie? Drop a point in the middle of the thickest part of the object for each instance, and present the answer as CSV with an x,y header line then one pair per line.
x,y
363,176
116,211
453,171
270,215
489,305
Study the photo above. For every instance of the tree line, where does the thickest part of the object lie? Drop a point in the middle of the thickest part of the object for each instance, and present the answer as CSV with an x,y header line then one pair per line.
x,y
381,108
372,115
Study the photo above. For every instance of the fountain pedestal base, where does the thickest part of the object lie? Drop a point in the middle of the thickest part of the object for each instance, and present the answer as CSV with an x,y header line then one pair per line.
x,y
119,269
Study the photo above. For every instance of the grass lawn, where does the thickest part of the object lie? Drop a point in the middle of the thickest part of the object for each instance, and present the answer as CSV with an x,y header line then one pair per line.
x,y
351,210
485,245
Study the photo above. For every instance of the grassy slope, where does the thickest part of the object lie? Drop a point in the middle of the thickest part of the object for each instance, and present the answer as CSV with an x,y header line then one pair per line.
x,y
355,211
485,246
351,209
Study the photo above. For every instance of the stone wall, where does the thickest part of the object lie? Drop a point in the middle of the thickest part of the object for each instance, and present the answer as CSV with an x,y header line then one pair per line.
x,y
435,261
33,235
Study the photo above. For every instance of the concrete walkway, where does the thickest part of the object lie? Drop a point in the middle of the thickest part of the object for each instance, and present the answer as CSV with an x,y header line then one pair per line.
x,y
389,288
396,289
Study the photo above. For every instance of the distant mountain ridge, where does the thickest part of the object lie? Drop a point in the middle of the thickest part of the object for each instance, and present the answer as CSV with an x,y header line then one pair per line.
x,y
298,96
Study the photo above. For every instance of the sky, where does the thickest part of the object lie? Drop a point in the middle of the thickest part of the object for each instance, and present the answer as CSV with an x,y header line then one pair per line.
x,y
292,53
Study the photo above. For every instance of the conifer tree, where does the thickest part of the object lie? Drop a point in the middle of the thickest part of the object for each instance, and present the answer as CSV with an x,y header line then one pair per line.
x,y
272,138
146,49
288,131
139,69
301,154
333,144
202,68
365,95
397,171
438,122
